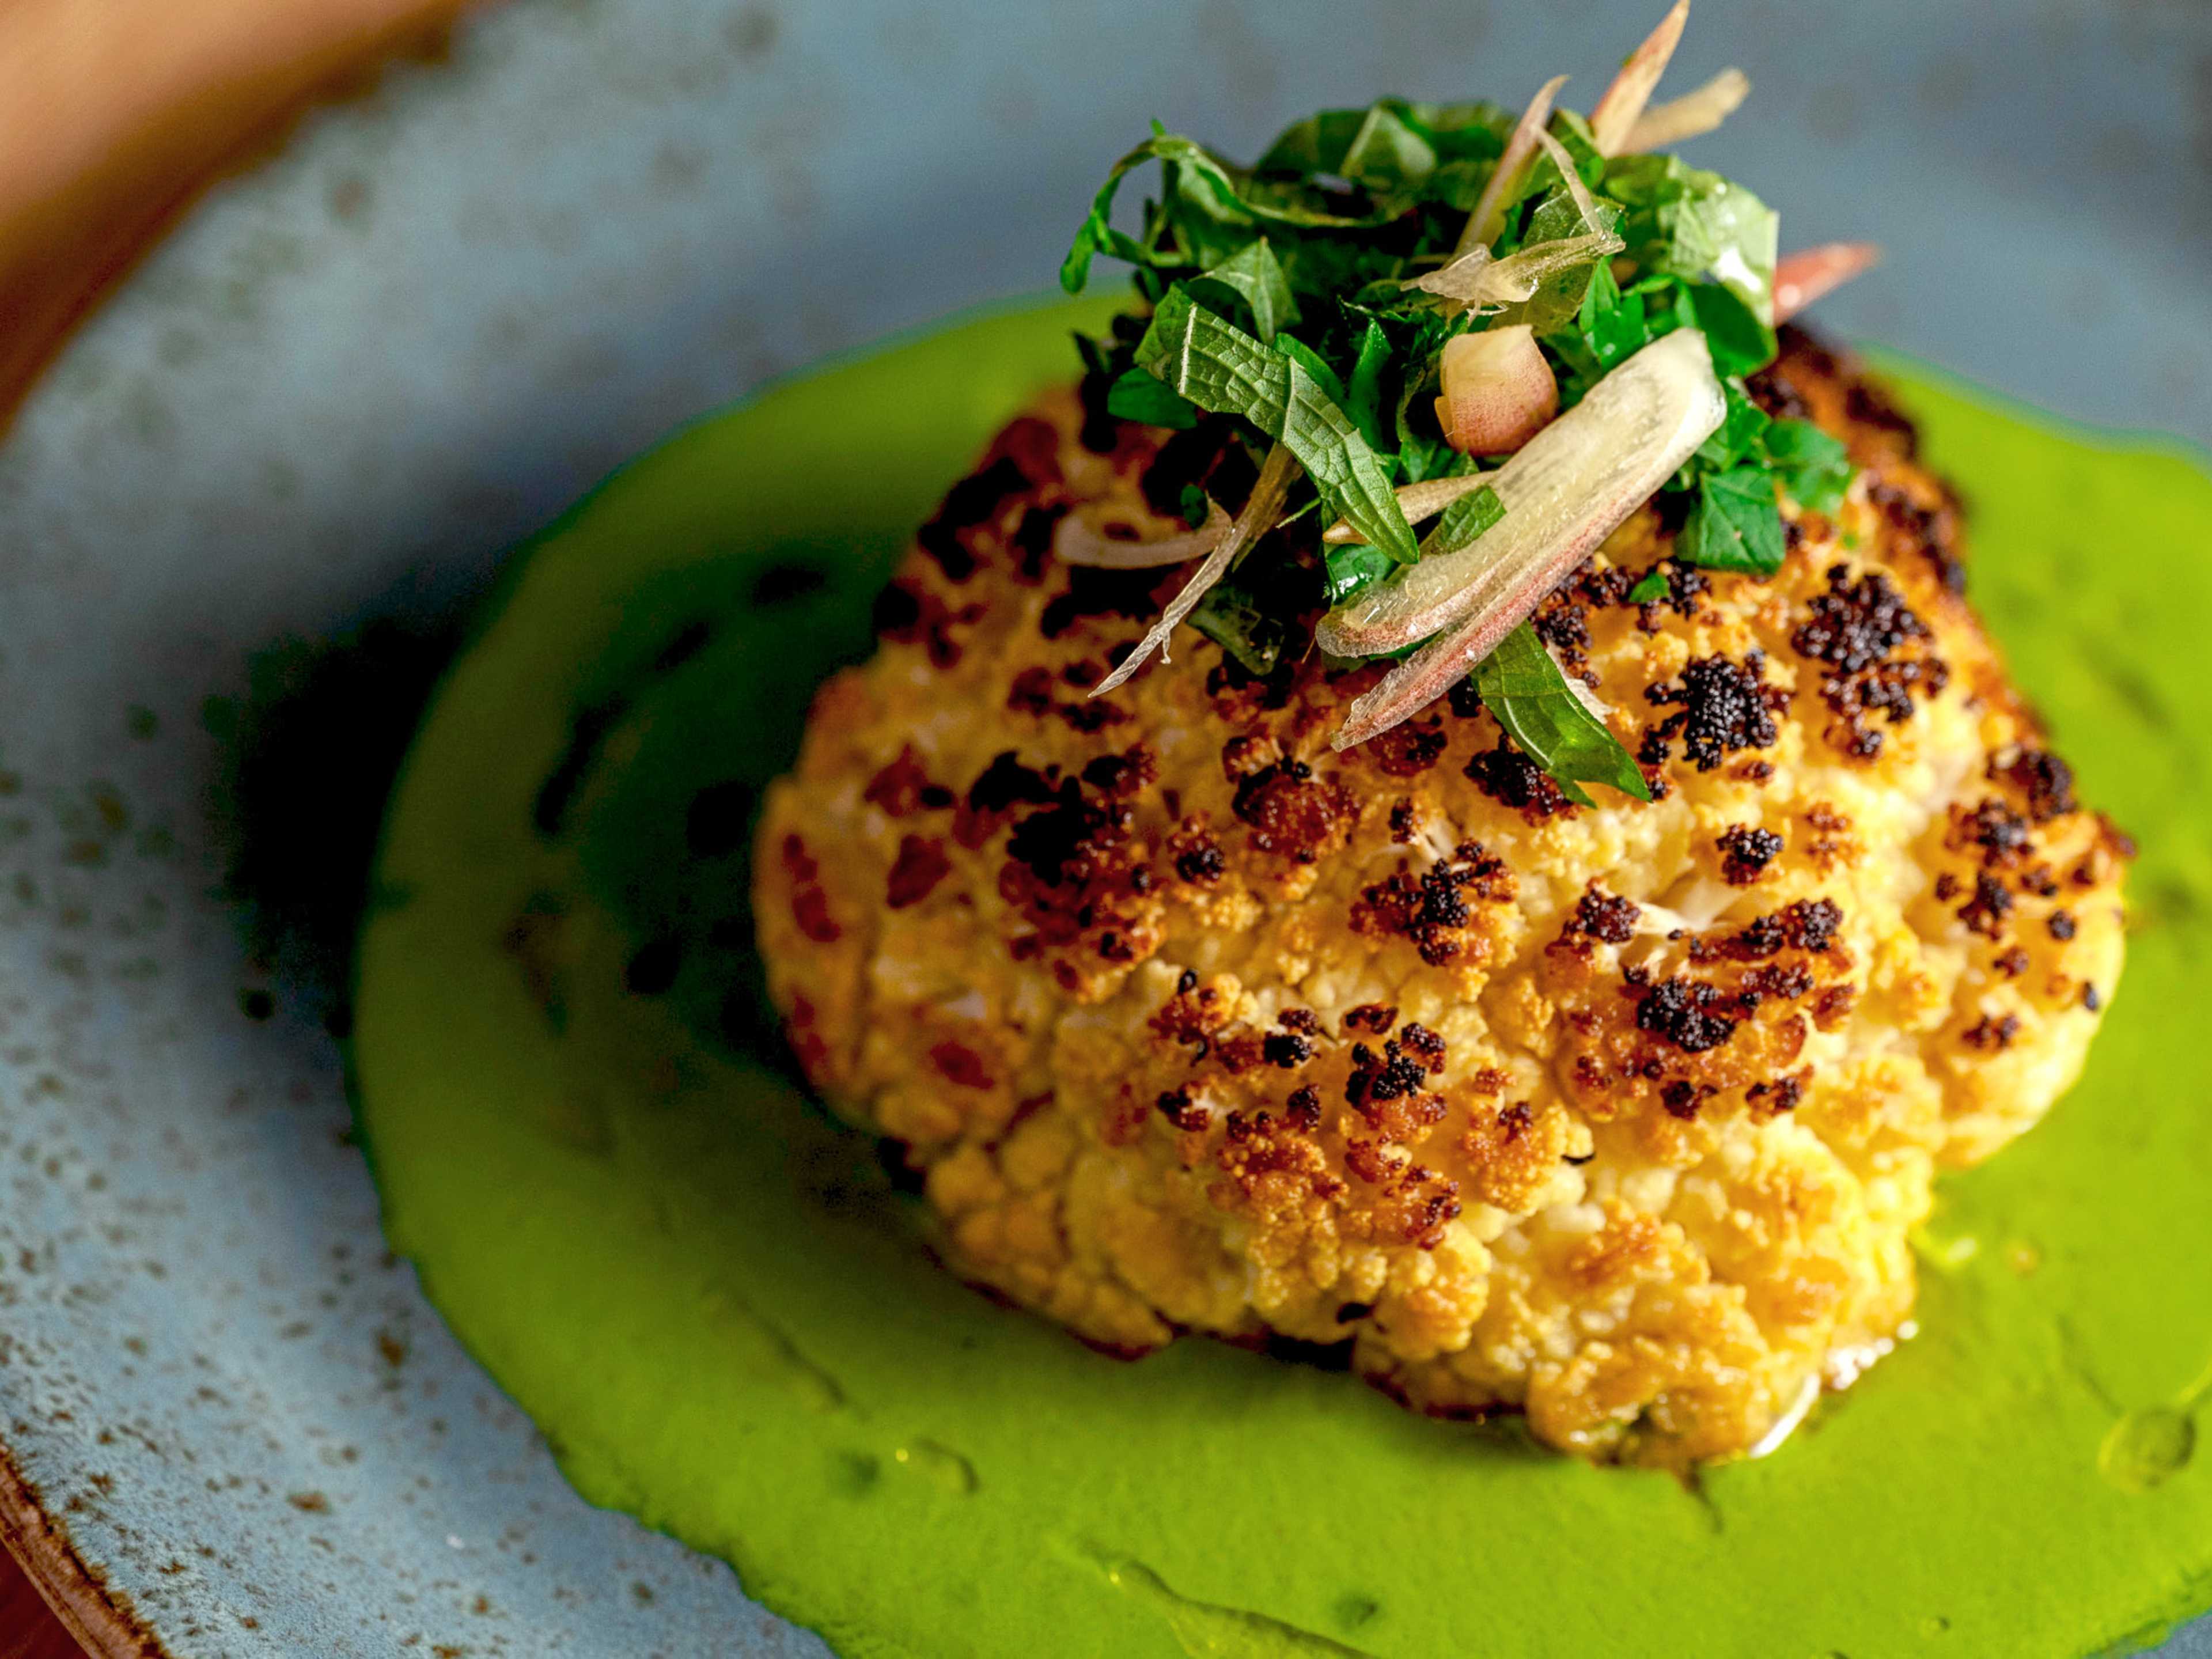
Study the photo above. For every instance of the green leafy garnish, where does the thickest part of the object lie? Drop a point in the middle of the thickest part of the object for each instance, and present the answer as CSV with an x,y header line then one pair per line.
x,y
1813,466
1351,570
1521,683
1736,524
1284,296
1218,367
1459,525
1234,620
1136,396
1253,276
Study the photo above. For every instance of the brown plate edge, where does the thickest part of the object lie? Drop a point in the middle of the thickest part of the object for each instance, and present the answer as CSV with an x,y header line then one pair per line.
x,y
99,1618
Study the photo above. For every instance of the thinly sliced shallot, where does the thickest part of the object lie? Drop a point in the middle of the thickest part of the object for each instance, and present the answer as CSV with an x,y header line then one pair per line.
x,y
1691,116
1488,218
1802,278
1564,493
1417,502
1499,391
1572,176
1258,517
1617,113
1076,540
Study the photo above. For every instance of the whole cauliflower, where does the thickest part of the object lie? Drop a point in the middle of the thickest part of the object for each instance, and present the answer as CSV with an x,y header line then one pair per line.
x,y
1620,1116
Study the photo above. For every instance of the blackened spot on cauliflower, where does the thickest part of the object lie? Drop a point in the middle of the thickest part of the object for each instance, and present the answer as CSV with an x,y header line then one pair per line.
x,y
1410,749
974,501
1601,916
1681,1011
1463,699
1285,1049
1123,774
1424,1045
920,865
1992,1034
1095,592
1997,830
1985,912
1931,532
1723,707
1778,1096
1293,813
902,787
1810,925
1746,851
1375,1017
1430,909
1682,1099
898,611
1302,1109
1199,860
2044,781
1031,541
1006,782
2061,925
1304,1021
1176,1106
1392,1076
1511,778
1051,843
1858,631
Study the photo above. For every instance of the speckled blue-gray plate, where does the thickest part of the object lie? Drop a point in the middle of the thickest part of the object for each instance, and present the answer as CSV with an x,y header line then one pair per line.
x,y
355,377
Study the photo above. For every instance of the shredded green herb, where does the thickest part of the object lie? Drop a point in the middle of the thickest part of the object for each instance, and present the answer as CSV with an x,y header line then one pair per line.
x,y
1280,296
1521,683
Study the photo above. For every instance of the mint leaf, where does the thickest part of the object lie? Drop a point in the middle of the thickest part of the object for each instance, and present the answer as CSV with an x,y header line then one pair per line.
x,y
1353,569
1814,468
1218,367
1741,344
1736,524
1386,156
1461,523
1233,620
1192,505
1522,685
1652,589
1253,276
1309,359
1740,433
1684,222
1136,396
1363,396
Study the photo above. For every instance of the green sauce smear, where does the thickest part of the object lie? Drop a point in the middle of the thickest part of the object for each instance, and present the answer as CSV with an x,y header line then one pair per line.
x,y
719,1310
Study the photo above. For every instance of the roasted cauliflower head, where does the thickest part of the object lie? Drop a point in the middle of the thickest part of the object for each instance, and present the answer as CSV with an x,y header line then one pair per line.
x,y
1616,1115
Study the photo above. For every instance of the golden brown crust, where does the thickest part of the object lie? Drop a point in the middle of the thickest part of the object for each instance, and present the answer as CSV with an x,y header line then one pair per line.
x,y
1618,1116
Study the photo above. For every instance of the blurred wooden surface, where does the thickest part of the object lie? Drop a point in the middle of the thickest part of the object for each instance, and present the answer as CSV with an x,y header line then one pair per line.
x,y
28,1630
114,115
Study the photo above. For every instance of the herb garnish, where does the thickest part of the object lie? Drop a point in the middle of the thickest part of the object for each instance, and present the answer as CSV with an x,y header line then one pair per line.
x,y
1301,296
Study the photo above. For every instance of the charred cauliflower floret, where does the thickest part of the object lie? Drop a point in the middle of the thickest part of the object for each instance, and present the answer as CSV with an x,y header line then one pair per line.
x,y
1616,1115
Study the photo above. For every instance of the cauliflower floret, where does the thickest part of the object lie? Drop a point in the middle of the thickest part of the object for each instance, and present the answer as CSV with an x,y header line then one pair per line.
x,y
1620,1116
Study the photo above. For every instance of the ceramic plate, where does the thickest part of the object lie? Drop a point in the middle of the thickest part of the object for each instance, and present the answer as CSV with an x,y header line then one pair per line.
x,y
323,410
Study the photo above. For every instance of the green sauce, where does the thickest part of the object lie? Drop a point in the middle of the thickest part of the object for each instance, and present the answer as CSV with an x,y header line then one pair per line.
x,y
719,1310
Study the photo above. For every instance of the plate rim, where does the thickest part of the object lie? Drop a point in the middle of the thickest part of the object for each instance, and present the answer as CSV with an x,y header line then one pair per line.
x,y
96,1616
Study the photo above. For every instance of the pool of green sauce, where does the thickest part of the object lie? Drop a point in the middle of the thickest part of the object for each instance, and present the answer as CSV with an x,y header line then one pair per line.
x,y
720,1312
